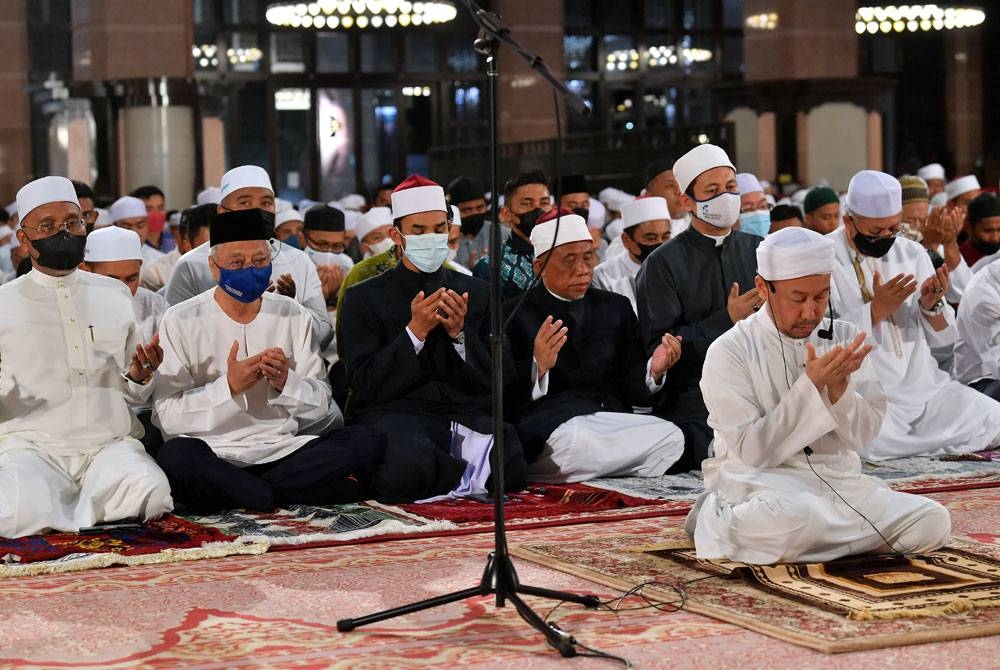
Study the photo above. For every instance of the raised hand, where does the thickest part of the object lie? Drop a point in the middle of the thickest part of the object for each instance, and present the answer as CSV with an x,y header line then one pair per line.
x,y
451,311
145,359
666,354
548,342
934,287
242,375
423,313
741,306
274,367
888,297
856,354
284,285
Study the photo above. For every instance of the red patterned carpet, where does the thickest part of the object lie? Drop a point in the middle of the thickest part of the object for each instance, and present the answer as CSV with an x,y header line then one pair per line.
x,y
279,610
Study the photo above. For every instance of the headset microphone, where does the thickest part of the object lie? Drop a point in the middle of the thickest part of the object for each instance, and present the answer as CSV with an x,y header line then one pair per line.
x,y
827,333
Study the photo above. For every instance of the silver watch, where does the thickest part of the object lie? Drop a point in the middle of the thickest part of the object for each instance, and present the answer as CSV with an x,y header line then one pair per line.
x,y
935,310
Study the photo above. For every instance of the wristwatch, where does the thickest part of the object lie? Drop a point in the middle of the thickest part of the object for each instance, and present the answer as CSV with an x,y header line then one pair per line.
x,y
460,338
935,310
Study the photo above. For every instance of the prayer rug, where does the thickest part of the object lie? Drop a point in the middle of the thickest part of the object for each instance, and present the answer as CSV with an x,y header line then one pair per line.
x,y
164,541
846,605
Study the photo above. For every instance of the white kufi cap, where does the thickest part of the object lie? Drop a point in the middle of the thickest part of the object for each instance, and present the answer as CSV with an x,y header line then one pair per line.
x,y
376,217
210,196
47,190
640,210
112,244
748,183
961,186
795,252
127,207
572,228
244,176
875,195
702,158
932,171
286,216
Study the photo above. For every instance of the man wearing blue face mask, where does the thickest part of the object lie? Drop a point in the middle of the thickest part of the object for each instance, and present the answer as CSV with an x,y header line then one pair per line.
x,y
414,341
242,378
755,214
696,287
886,285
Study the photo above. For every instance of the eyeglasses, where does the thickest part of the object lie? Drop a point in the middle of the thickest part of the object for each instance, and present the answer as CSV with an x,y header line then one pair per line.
x,y
334,247
241,263
49,227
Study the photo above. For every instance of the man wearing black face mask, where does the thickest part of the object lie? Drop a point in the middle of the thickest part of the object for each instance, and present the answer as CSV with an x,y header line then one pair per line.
x,y
646,227
983,216
886,285
526,198
468,195
72,363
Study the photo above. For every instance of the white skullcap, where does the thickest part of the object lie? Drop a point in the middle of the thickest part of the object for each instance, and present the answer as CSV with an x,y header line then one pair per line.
x,y
614,198
47,190
210,196
103,218
795,252
770,199
244,176
932,171
127,207
376,217
280,205
640,210
748,183
702,158
799,197
354,201
306,203
961,186
598,215
417,194
285,216
11,209
456,216
112,244
351,219
572,228
874,194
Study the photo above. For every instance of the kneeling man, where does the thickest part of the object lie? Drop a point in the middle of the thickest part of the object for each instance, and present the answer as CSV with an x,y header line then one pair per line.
x,y
241,381
581,369
792,404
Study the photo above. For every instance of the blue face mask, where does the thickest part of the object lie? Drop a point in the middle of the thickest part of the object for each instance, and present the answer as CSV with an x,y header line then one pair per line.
x,y
293,241
757,222
428,251
245,285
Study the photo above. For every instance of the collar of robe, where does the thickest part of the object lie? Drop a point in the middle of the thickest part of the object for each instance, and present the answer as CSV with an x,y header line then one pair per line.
x,y
52,282
708,241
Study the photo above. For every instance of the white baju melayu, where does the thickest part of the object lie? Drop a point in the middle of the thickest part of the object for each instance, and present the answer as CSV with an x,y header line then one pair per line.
x,y
156,275
193,276
762,503
928,412
149,309
617,274
68,457
150,255
977,350
192,396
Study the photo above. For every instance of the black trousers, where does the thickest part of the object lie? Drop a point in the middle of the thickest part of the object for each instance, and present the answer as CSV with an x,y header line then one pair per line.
x,y
990,387
318,473
697,439
418,461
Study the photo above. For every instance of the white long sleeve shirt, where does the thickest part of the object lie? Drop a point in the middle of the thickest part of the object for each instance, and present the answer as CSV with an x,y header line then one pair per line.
x,y
149,309
192,396
64,343
977,351
156,274
192,276
617,274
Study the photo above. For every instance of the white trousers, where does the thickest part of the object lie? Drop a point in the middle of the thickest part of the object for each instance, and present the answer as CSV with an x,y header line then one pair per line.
x,y
608,444
790,516
41,491
956,420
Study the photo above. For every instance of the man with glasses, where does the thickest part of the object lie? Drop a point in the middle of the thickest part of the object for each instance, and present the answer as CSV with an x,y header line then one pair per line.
x,y
293,274
71,361
241,375
88,203
886,286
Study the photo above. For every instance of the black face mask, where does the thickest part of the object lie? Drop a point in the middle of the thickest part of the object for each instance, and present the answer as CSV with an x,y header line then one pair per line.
x,y
268,223
473,223
24,267
527,220
645,250
582,211
876,247
986,248
61,251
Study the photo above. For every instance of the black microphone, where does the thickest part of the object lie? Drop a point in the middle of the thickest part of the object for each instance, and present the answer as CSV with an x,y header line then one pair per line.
x,y
809,451
827,333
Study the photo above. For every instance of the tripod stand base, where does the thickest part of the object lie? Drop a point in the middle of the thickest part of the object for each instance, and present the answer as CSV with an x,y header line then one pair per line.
x,y
499,578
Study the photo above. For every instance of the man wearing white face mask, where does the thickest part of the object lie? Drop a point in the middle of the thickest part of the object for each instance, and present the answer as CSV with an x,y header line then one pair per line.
x,y
415,347
755,214
696,287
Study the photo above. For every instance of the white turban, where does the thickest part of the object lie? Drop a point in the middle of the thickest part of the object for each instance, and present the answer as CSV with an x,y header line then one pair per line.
x,y
961,186
244,176
748,183
112,244
286,216
376,217
47,190
210,196
875,195
127,207
647,208
598,215
614,198
702,158
572,228
795,252
932,171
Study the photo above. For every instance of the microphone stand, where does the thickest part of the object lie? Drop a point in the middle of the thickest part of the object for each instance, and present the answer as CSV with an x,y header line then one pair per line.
x,y
499,576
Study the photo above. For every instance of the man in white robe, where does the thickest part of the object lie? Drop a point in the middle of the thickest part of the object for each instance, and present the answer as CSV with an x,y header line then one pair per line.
x,y
130,213
977,350
294,274
786,396
646,225
242,397
70,362
886,286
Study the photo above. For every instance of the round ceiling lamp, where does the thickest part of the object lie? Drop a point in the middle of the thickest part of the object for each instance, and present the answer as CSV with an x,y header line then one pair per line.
x,y
914,18
347,14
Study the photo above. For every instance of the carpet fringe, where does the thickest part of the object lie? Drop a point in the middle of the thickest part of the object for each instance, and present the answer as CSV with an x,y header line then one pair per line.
x,y
384,528
89,562
954,607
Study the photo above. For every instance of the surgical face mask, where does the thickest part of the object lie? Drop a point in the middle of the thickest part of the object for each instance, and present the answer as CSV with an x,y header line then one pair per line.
x,y
246,284
380,247
721,211
526,220
61,251
757,222
427,252
322,257
473,223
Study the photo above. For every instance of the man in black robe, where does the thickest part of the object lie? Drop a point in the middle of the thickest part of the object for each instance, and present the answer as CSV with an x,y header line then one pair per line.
x,y
415,346
581,368
696,287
